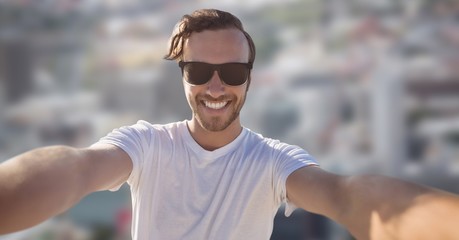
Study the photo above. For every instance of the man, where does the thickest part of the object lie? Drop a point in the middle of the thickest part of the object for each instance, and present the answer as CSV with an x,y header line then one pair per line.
x,y
209,177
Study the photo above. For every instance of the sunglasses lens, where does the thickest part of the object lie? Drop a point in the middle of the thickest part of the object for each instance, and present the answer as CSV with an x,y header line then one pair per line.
x,y
234,74
197,73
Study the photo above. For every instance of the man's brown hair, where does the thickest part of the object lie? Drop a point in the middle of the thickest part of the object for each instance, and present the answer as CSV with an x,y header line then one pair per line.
x,y
200,20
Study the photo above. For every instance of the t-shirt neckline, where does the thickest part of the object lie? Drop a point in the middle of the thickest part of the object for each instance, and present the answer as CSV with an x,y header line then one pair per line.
x,y
206,154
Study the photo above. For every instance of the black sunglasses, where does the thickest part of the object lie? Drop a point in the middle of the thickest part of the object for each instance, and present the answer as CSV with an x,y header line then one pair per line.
x,y
198,73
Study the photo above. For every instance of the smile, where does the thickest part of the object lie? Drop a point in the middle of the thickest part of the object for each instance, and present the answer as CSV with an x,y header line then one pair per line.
x,y
215,105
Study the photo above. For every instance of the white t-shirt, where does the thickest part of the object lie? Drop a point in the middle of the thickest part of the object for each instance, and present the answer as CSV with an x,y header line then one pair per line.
x,y
181,191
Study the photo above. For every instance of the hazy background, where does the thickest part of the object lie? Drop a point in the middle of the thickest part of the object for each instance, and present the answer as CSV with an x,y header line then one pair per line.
x,y
364,86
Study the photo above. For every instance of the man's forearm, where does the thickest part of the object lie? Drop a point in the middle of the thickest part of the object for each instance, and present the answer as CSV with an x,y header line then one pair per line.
x,y
387,208
37,185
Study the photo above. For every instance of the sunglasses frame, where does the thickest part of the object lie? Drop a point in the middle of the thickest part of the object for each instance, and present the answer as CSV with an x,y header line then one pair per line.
x,y
217,67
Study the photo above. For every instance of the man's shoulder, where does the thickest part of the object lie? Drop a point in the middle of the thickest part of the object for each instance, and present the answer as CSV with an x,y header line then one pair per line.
x,y
270,143
147,130
256,136
260,140
159,127
149,133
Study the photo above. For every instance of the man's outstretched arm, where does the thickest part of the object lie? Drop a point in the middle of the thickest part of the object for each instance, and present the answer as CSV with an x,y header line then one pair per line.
x,y
376,207
44,182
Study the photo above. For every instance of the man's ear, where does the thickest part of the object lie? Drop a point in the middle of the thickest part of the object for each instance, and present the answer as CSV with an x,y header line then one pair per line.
x,y
248,82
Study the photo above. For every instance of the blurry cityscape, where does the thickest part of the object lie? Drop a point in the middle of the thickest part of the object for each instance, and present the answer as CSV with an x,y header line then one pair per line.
x,y
364,86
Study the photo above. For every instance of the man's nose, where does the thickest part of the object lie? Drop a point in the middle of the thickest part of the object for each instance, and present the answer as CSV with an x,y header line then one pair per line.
x,y
215,86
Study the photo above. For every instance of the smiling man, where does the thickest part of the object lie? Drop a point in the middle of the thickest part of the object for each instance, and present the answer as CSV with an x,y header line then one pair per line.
x,y
216,68
209,177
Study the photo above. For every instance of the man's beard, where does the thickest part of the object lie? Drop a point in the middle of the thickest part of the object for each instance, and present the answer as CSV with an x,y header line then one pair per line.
x,y
219,123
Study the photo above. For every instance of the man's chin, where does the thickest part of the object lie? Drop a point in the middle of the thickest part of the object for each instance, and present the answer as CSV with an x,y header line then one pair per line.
x,y
213,125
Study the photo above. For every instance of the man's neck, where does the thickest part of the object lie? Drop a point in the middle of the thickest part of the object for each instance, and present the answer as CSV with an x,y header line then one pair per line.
x,y
210,140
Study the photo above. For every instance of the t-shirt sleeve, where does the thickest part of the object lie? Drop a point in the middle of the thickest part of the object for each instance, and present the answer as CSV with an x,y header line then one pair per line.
x,y
135,140
289,158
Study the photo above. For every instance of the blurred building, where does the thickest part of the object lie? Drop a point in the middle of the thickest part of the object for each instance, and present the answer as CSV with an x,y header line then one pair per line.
x,y
364,86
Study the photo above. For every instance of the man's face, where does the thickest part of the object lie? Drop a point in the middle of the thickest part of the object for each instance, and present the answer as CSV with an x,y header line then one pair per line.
x,y
216,105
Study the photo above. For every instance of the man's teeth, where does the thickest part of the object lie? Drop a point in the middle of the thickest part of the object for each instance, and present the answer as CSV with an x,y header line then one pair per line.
x,y
215,105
